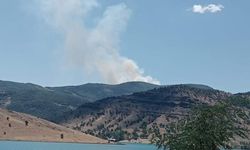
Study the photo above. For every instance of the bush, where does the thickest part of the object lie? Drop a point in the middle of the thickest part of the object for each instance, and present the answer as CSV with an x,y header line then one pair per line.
x,y
206,128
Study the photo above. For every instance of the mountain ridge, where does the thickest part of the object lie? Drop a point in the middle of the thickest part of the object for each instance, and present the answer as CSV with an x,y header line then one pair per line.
x,y
127,114
96,91
51,102
130,109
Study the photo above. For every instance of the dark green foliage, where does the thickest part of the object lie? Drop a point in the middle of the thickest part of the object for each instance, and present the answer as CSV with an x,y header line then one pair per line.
x,y
199,86
206,128
117,134
240,100
52,103
95,91
105,133
37,100
144,134
135,134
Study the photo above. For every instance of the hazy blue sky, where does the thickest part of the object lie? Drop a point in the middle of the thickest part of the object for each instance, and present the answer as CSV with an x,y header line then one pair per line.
x,y
168,39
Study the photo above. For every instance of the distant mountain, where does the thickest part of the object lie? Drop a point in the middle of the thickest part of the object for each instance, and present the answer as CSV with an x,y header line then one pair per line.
x,y
133,114
95,91
247,94
242,102
37,100
52,102
199,86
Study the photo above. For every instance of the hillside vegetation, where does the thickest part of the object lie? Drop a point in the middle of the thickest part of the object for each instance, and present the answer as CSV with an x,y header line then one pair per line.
x,y
52,102
136,115
125,111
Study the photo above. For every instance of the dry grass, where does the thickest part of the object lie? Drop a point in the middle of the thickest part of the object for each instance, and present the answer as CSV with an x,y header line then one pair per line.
x,y
13,127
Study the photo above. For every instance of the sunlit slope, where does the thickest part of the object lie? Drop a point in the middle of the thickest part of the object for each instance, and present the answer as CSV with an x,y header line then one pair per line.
x,y
18,126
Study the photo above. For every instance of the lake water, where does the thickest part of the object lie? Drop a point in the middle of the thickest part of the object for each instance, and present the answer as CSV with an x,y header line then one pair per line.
x,y
11,145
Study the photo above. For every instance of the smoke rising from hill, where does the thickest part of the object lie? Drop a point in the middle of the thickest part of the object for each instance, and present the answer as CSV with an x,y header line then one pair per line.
x,y
95,49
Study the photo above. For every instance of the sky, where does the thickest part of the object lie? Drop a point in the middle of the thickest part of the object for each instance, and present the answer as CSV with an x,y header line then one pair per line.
x,y
72,42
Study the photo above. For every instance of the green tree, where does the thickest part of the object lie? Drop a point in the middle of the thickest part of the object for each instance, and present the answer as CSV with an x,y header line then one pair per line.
x,y
206,128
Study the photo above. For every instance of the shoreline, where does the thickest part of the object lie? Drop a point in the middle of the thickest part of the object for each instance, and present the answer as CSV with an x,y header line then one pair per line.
x,y
34,141
58,142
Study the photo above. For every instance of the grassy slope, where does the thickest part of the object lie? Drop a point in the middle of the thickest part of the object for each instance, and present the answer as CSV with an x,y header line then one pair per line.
x,y
38,130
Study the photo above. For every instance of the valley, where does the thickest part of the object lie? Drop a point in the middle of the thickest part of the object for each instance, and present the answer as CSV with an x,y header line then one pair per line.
x,y
97,112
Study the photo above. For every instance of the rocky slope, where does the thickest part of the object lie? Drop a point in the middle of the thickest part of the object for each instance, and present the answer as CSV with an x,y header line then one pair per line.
x,y
134,115
18,126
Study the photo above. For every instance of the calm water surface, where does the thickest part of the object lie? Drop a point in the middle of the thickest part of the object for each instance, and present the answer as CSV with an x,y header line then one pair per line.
x,y
10,145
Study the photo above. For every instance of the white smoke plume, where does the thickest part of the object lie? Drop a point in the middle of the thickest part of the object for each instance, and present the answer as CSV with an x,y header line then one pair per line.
x,y
94,49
